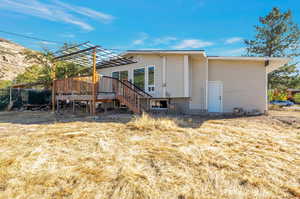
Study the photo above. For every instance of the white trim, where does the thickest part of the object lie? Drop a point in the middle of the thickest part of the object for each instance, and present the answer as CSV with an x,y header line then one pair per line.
x,y
250,58
164,77
206,84
186,74
165,52
191,82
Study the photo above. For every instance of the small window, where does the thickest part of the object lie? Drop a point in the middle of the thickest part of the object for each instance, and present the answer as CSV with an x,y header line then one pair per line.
x,y
116,74
151,79
121,75
124,75
159,104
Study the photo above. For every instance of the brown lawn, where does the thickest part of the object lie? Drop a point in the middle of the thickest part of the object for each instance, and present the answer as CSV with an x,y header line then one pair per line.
x,y
43,156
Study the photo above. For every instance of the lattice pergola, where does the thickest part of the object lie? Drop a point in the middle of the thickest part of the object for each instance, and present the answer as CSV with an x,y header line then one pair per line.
x,y
85,53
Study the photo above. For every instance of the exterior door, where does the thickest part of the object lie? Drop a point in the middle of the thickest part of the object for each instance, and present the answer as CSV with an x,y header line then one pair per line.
x,y
215,96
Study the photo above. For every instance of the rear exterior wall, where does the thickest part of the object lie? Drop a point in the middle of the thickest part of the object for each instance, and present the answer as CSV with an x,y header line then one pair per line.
x,y
244,84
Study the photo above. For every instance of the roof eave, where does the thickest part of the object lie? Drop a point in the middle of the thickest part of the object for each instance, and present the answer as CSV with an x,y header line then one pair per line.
x,y
183,52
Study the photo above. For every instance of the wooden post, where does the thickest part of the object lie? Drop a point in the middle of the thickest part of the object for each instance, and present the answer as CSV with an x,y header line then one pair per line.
x,y
53,86
73,104
10,95
94,83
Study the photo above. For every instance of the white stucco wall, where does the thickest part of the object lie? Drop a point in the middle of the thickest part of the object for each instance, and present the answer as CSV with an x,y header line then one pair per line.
x,y
244,83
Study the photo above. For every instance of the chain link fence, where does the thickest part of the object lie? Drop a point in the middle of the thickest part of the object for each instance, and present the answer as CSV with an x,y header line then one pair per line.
x,y
16,98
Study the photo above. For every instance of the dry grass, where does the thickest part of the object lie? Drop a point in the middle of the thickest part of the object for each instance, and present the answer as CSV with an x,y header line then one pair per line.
x,y
150,158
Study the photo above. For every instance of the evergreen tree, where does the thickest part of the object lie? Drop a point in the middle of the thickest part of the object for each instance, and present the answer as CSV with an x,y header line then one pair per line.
x,y
277,36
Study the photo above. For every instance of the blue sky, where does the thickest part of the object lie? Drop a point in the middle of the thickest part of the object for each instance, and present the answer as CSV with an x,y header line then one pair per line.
x,y
217,26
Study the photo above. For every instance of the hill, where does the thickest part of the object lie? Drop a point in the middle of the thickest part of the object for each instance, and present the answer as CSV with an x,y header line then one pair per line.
x,y
12,59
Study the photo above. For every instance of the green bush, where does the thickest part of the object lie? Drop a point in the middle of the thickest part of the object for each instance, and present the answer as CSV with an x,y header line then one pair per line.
x,y
5,83
277,95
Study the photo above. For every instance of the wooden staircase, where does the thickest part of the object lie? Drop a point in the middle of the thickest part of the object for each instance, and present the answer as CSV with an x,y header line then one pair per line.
x,y
82,88
130,95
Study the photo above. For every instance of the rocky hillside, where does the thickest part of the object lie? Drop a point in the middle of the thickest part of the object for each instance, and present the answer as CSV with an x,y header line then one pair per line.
x,y
12,59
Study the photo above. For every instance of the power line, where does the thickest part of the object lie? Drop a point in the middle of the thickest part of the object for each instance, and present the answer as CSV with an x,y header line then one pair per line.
x,y
44,40
30,37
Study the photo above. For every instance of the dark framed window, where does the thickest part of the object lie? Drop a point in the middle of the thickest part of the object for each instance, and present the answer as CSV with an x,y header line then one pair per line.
x,y
121,75
116,74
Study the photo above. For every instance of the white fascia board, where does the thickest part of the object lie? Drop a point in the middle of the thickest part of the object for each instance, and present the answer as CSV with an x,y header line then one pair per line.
x,y
166,52
284,59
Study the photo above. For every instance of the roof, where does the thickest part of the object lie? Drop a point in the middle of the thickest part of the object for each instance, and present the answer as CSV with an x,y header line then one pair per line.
x,y
283,59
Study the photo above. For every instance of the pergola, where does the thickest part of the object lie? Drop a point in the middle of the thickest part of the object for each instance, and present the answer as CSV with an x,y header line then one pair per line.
x,y
89,55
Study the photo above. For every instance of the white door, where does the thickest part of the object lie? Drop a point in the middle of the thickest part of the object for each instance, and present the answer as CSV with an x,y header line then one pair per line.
x,y
215,96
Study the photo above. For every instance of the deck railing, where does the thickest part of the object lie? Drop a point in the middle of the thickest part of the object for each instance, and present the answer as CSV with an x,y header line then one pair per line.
x,y
74,85
126,92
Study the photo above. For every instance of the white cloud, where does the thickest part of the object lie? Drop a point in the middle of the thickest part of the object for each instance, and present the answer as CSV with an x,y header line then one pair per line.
x,y
192,43
233,40
164,40
105,18
143,36
45,43
56,11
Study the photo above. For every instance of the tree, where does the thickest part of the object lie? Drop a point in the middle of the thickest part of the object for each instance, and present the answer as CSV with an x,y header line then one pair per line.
x,y
277,36
42,70
5,83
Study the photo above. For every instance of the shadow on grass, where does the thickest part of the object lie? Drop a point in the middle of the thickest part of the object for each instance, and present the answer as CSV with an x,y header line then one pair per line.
x,y
39,117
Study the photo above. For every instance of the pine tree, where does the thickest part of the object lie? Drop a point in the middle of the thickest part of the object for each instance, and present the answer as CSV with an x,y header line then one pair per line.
x,y
277,36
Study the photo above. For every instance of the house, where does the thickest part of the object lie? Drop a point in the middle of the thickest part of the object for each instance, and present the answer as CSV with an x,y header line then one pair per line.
x,y
189,81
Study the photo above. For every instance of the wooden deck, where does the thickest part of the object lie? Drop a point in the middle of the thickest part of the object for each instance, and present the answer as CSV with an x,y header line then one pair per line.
x,y
105,89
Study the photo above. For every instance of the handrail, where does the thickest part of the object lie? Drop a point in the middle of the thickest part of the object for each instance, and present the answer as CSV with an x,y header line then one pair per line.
x,y
137,88
116,79
131,84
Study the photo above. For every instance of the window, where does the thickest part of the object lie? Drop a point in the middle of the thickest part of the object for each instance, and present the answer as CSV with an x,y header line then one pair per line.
x,y
116,74
139,78
121,75
159,104
124,75
151,79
